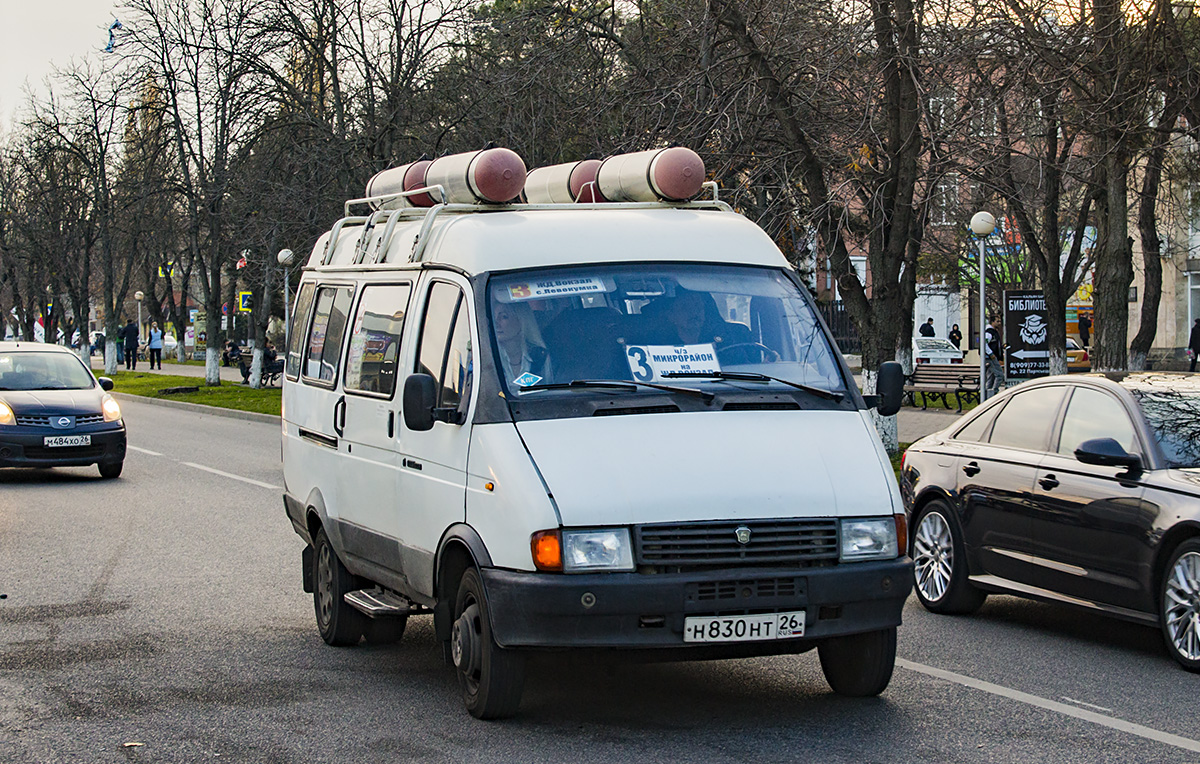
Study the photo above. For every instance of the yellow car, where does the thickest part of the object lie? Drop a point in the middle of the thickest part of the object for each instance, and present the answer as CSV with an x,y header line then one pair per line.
x,y
1077,357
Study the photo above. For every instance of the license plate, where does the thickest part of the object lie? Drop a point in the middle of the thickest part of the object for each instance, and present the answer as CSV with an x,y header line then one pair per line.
x,y
743,628
55,441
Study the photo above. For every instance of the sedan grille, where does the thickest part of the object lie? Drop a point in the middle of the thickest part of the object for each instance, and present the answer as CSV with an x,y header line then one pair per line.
x,y
44,421
69,452
800,542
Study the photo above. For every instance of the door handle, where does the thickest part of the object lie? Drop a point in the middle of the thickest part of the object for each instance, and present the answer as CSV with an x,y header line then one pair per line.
x,y
971,468
413,464
339,415
391,424
1049,482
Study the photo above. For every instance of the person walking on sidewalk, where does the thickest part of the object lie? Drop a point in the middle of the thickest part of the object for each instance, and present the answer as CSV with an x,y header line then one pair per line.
x,y
155,345
1194,345
993,354
927,329
130,335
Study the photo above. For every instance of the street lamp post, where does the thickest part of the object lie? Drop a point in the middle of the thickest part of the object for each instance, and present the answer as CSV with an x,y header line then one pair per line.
x,y
139,296
285,258
982,225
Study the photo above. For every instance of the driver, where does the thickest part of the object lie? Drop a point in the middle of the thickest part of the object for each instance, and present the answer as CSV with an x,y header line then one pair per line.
x,y
520,342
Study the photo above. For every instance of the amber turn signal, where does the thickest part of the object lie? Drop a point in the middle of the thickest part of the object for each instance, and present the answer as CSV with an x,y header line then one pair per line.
x,y
901,534
547,550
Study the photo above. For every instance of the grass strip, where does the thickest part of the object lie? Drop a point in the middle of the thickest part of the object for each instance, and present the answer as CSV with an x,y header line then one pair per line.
x,y
229,395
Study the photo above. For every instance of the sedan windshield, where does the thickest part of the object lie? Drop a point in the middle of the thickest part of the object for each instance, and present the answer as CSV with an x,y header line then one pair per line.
x,y
672,324
43,371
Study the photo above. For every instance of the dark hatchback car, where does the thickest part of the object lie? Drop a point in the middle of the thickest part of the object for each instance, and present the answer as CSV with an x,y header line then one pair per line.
x,y
55,413
1082,490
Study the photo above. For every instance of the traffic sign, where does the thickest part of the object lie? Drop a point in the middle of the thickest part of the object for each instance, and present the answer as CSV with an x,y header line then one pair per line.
x,y
245,302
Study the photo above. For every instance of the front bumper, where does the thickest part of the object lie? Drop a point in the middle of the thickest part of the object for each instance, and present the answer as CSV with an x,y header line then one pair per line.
x,y
635,610
22,446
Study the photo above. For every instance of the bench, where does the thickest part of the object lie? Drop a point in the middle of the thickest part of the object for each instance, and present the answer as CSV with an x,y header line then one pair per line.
x,y
271,370
940,380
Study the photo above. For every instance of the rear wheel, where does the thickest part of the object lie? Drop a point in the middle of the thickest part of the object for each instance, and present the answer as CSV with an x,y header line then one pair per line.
x,y
1180,611
491,678
340,625
860,665
940,563
111,470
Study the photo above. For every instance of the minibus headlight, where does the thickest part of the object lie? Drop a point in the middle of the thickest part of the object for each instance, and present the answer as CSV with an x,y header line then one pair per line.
x,y
111,409
597,550
872,538
6,414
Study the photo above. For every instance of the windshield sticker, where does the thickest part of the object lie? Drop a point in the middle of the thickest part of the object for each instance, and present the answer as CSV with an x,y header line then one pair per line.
x,y
527,380
535,290
650,362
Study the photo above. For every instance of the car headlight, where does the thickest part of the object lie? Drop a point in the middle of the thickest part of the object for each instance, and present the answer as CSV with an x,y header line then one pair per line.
x,y
871,538
583,551
6,414
111,409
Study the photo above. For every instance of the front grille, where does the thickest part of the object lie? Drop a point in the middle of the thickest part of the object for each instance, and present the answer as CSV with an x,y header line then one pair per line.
x,y
44,421
729,590
801,541
65,452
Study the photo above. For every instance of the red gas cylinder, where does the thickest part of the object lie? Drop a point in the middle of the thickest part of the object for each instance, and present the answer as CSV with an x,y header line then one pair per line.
x,y
408,177
675,174
564,183
492,176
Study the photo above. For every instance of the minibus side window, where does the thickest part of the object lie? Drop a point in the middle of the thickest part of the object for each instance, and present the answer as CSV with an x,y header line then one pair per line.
x,y
325,338
299,324
375,339
445,350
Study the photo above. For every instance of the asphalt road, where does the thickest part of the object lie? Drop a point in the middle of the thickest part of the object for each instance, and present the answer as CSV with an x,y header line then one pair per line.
x,y
159,618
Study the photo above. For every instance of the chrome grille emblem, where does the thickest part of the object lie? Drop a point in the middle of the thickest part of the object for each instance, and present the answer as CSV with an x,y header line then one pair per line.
x,y
743,534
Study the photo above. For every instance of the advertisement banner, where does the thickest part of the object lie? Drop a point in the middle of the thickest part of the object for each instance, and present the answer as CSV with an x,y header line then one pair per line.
x,y
199,323
1027,352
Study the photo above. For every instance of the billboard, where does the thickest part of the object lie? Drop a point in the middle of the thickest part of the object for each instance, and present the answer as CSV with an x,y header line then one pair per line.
x,y
1026,340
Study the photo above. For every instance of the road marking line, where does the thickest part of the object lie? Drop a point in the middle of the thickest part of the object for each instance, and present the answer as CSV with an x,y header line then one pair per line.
x,y
1103,720
1089,705
238,477
143,450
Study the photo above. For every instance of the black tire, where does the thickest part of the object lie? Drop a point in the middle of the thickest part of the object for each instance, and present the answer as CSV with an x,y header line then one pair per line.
x,y
940,563
860,665
491,678
340,625
384,631
110,470
1179,613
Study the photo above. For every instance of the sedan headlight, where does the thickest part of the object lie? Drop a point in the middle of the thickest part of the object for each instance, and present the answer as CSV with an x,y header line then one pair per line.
x,y
583,551
871,538
111,409
6,414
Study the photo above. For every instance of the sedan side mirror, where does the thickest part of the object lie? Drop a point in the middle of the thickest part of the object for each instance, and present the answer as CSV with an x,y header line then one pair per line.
x,y
889,388
106,384
420,396
1106,452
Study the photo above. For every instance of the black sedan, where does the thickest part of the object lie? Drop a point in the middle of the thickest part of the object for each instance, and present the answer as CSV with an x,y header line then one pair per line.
x,y
55,413
1082,490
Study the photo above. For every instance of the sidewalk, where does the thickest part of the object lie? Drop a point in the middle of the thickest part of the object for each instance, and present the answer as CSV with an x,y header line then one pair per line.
x,y
914,424
228,374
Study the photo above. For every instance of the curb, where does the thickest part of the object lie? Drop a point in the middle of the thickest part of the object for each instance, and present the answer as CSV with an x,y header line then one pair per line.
x,y
248,416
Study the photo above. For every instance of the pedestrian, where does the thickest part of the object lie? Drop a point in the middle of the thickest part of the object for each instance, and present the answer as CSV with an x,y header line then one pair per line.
x,y
1194,344
993,353
155,345
130,335
1085,329
927,329
955,336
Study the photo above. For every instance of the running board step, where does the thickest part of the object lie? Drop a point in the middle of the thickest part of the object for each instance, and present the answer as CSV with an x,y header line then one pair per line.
x,y
378,603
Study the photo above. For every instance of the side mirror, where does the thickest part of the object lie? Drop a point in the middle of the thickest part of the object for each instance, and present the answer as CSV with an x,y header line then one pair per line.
x,y
889,388
1106,452
419,398
106,384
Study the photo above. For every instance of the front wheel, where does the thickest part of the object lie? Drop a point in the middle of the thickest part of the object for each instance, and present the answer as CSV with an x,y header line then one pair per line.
x,y
860,665
1180,611
491,677
340,625
940,564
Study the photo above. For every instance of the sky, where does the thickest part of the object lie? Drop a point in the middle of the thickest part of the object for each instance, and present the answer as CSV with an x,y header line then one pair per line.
x,y
36,35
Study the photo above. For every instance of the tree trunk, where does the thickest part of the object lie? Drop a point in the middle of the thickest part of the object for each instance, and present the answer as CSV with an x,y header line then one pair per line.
x,y
1114,269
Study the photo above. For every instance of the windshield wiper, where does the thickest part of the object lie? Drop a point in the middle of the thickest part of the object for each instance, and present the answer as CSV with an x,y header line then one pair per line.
x,y
753,376
620,384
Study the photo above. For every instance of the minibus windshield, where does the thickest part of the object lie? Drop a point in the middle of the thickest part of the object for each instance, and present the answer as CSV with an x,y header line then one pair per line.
x,y
682,324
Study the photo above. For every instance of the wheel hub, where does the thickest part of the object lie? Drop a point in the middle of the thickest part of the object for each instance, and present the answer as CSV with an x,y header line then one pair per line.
x,y
465,646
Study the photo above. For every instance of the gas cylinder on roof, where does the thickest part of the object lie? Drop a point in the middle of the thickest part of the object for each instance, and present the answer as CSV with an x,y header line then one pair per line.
x,y
408,177
491,176
564,183
674,174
